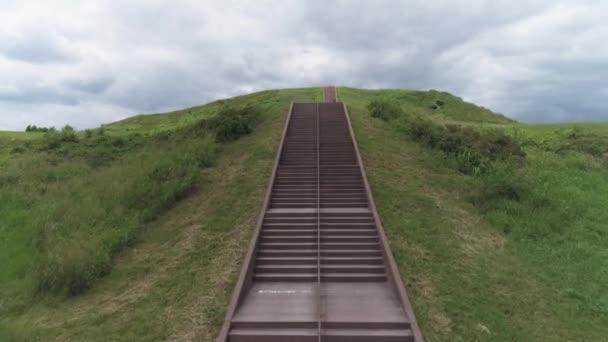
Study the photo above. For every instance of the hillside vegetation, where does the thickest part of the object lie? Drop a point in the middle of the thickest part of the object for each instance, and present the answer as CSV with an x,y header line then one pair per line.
x,y
514,253
78,208
136,230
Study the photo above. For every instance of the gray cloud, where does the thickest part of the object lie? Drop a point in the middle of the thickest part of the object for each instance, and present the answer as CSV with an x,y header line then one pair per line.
x,y
538,61
38,94
92,86
37,47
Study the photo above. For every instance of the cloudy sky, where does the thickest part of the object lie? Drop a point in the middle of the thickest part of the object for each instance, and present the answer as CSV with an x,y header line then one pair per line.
x,y
90,62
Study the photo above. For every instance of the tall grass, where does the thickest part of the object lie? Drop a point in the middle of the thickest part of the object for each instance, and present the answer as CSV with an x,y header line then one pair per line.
x,y
79,231
470,150
80,200
552,206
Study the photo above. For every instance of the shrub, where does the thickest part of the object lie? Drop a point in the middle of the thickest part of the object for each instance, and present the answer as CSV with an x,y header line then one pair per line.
x,y
500,185
472,162
385,109
68,134
17,150
425,131
231,123
439,103
53,139
576,140
472,151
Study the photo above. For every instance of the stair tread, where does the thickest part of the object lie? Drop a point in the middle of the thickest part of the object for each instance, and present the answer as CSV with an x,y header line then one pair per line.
x,y
367,332
274,332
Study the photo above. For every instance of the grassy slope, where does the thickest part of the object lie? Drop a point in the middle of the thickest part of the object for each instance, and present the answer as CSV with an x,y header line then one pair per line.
x,y
470,276
454,109
175,282
521,271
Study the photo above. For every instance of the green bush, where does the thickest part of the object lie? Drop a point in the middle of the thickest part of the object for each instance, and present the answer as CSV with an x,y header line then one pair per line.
x,y
17,150
53,138
385,109
500,185
575,140
471,161
231,123
425,131
472,151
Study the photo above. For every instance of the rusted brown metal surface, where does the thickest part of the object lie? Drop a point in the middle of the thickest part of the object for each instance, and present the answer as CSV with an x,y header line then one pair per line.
x,y
319,267
330,94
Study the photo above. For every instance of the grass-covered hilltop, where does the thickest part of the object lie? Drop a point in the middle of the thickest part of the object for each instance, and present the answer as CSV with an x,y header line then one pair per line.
x,y
135,231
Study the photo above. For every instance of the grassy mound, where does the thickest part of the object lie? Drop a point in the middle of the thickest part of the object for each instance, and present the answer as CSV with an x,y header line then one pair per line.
x,y
515,253
70,207
436,105
136,230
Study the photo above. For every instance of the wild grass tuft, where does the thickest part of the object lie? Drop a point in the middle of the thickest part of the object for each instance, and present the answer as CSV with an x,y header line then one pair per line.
x,y
385,109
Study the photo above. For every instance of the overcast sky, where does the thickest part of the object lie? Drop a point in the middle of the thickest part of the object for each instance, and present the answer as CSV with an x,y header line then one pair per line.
x,y
88,62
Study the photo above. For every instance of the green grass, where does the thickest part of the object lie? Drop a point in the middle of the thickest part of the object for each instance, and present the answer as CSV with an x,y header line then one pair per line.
x,y
12,142
153,123
452,110
20,135
66,222
503,270
478,265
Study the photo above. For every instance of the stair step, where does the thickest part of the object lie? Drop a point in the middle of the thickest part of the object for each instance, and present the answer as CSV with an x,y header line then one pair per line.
x,y
287,252
346,231
283,269
339,225
343,220
285,260
399,323
349,245
351,260
291,225
274,335
352,269
354,277
295,232
248,324
350,252
286,277
348,238
288,238
288,245
367,335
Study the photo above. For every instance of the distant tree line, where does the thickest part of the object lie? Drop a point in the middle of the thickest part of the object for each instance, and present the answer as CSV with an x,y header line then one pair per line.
x,y
34,128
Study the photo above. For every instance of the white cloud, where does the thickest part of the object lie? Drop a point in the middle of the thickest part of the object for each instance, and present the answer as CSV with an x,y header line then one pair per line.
x,y
85,63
